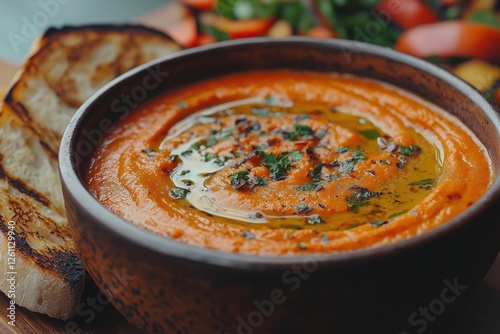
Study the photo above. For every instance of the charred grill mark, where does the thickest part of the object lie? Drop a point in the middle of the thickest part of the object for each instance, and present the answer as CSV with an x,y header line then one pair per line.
x,y
48,150
63,262
18,107
21,187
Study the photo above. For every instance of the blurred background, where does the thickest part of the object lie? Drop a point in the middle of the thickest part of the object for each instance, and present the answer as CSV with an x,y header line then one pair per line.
x,y
29,18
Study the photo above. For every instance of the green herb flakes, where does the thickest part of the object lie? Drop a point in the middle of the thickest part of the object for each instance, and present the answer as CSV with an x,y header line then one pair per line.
x,y
178,193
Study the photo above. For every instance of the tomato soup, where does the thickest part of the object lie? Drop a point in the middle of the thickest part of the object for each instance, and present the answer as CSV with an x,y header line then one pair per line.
x,y
287,162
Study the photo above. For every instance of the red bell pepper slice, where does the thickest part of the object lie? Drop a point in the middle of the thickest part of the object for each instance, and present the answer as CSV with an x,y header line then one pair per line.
x,y
452,39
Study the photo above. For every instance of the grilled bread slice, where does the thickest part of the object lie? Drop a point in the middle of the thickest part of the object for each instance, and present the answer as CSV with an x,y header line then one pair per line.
x,y
70,64
66,66
48,276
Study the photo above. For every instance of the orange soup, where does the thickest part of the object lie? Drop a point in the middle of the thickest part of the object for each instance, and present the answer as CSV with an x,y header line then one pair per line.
x,y
288,162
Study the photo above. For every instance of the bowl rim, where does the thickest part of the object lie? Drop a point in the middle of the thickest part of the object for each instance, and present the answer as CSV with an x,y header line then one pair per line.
x,y
172,248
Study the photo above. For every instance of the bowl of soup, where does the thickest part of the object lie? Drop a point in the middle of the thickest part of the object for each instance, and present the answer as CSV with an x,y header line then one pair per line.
x,y
284,186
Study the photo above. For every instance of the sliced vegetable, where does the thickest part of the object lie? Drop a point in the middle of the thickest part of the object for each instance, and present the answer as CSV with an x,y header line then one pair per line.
x,y
407,14
320,32
452,39
497,96
478,73
236,28
205,39
203,5
281,28
185,32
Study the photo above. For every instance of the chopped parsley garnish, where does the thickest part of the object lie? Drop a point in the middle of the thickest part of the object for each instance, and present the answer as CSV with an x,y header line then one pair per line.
x,y
296,156
360,197
316,172
209,156
299,131
239,179
314,219
243,178
394,215
278,165
342,149
349,164
177,193
408,151
370,134
173,157
424,182
184,172
309,187
303,208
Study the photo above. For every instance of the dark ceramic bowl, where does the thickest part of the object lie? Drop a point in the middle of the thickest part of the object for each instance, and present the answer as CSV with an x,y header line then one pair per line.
x,y
161,285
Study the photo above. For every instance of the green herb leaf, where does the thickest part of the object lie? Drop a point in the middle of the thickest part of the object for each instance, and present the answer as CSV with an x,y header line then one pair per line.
x,y
422,182
302,208
370,134
242,178
394,215
296,156
278,166
408,151
184,172
360,197
342,149
299,131
239,179
177,193
316,172
314,219
309,187
209,156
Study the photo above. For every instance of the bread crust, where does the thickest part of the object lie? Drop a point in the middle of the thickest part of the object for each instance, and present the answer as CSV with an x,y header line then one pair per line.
x,y
65,67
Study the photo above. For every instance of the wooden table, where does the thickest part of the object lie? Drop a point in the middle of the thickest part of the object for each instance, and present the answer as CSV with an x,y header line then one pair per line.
x,y
475,313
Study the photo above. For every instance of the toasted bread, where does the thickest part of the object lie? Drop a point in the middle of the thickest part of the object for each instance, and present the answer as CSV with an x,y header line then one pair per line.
x,y
70,64
65,68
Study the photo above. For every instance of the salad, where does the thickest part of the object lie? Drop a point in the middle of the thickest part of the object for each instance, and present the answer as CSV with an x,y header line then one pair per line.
x,y
460,35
